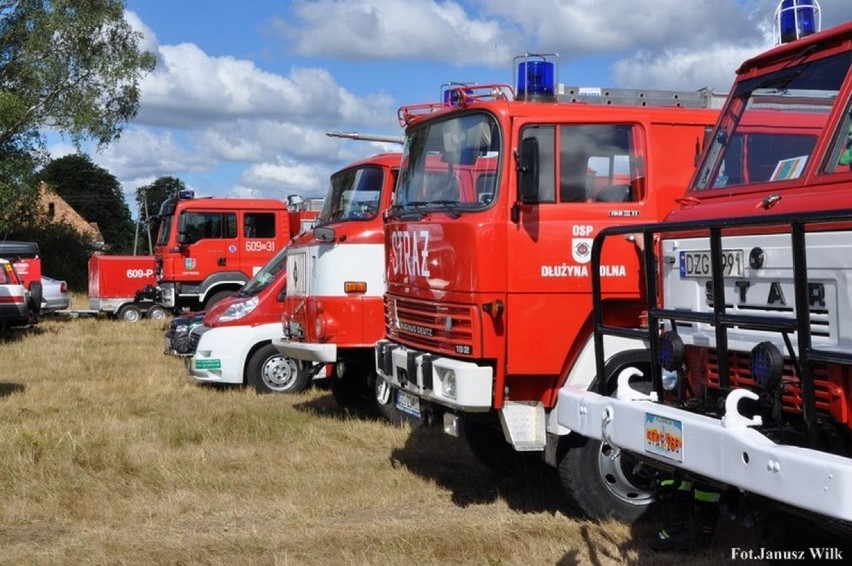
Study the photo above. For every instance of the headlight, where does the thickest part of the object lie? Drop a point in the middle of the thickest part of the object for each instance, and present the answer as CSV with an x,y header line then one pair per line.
x,y
672,351
767,365
239,310
449,383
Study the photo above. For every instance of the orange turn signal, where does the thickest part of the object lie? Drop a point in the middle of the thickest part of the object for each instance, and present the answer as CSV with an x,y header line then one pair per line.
x,y
355,286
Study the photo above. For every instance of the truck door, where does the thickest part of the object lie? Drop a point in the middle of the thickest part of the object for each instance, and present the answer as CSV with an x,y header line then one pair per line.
x,y
210,239
258,239
588,176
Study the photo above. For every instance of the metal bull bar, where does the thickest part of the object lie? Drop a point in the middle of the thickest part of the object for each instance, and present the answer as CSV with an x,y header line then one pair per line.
x,y
803,355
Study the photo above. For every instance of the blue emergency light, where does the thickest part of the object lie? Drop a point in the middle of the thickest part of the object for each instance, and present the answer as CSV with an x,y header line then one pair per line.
x,y
536,78
795,19
455,94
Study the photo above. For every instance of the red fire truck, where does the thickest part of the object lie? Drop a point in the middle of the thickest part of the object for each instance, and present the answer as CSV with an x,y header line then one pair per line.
x,y
233,343
208,248
741,372
333,313
489,303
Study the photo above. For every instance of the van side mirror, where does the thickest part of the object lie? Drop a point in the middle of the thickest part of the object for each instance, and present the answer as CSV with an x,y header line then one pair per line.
x,y
527,168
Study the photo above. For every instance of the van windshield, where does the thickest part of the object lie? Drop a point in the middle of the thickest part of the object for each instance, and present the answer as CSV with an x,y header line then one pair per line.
x,y
769,130
267,274
450,164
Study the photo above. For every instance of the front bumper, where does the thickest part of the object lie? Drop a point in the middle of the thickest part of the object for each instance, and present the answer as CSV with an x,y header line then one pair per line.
x,y
309,352
726,450
460,385
220,355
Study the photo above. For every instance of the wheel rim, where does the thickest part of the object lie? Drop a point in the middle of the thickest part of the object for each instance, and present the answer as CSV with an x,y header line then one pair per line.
x,y
279,373
383,391
156,314
615,469
130,315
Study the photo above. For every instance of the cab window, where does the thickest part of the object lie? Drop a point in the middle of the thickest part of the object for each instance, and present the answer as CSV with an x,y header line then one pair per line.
x,y
587,163
209,225
259,225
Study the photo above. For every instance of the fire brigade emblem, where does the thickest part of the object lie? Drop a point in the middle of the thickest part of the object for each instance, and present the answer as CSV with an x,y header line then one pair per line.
x,y
581,249
189,263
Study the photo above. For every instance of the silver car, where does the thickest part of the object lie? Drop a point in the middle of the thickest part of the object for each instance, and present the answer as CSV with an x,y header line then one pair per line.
x,y
54,295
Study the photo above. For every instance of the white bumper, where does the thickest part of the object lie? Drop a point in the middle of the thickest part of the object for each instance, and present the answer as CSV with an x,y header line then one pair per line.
x,y
221,353
452,383
726,450
309,352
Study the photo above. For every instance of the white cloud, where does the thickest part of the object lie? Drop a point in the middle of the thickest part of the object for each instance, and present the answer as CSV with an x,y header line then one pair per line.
x,y
282,179
190,88
394,29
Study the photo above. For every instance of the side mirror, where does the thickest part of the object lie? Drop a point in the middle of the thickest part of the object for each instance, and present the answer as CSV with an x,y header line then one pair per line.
x,y
528,171
282,294
182,238
324,234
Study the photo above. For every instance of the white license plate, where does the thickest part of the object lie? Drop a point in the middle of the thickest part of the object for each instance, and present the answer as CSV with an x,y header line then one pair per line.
x,y
664,437
697,264
408,403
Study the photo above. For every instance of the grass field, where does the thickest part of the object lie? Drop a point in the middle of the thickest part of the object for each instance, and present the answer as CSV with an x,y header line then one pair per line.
x,y
110,454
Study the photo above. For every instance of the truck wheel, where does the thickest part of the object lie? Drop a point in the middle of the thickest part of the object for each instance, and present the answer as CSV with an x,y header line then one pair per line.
x,y
269,371
600,480
216,297
156,313
129,313
488,443
345,388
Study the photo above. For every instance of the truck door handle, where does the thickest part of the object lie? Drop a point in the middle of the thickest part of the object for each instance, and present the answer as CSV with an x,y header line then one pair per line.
x,y
220,261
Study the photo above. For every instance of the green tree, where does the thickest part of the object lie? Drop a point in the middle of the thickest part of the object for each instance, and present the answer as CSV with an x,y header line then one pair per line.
x,y
95,194
150,197
70,66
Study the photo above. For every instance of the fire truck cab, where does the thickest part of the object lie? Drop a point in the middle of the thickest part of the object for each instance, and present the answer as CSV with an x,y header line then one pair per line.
x,y
208,248
334,310
741,372
488,306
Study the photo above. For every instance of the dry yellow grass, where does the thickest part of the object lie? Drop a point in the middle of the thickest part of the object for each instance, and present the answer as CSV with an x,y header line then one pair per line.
x,y
110,454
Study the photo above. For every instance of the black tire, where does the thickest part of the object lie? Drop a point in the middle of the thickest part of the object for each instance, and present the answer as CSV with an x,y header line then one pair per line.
x,y
129,313
270,371
348,391
216,297
488,443
601,480
156,313
36,295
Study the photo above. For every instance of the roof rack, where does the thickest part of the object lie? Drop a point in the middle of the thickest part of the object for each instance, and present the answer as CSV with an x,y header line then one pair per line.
x,y
703,98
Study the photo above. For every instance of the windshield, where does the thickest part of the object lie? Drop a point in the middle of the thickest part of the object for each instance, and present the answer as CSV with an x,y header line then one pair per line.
x,y
771,126
354,194
165,229
450,164
266,275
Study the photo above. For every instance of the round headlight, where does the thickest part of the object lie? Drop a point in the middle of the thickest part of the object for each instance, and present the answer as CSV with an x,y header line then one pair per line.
x,y
767,365
672,351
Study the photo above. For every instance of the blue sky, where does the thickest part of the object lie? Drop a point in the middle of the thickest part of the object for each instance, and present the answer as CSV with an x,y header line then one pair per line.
x,y
244,92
